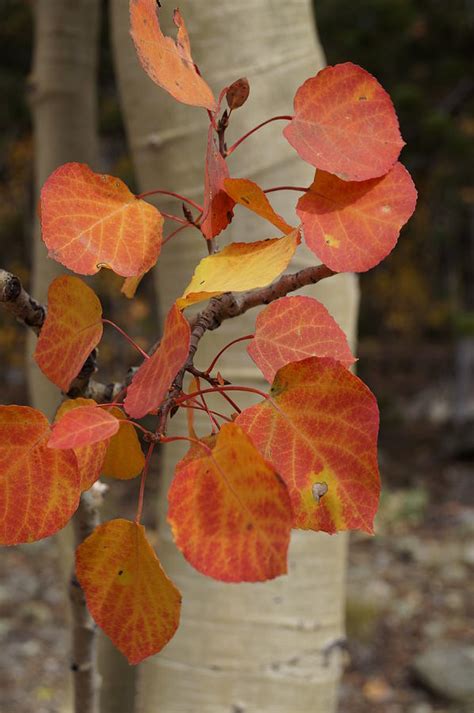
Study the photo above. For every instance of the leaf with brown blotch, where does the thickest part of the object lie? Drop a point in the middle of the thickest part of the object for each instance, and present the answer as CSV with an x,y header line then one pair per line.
x,y
72,329
83,426
240,267
294,328
229,511
319,431
168,63
124,458
153,379
218,205
345,123
91,220
250,195
353,225
39,488
90,457
127,592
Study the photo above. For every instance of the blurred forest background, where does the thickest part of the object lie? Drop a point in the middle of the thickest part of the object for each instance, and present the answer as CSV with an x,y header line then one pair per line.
x,y
416,353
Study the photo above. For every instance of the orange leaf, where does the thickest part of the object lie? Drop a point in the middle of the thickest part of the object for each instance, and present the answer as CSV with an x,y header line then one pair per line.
x,y
293,328
319,431
218,205
130,285
240,267
39,488
229,511
73,327
83,426
90,457
345,123
168,63
127,592
250,195
91,220
351,226
124,458
155,376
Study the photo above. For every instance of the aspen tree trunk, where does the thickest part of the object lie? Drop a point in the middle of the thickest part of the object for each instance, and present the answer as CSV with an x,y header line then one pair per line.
x,y
242,648
63,86
64,111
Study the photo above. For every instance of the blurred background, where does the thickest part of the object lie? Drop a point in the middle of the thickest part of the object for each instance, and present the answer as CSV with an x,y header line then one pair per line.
x,y
410,647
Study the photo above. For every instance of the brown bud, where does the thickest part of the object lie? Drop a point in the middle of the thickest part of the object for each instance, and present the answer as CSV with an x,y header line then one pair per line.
x,y
238,93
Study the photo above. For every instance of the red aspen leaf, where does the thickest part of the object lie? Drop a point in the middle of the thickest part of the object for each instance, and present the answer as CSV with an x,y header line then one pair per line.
x,y
345,123
39,488
293,328
83,426
124,458
353,225
240,267
91,220
319,431
73,327
91,457
218,205
168,63
250,195
127,592
229,511
153,379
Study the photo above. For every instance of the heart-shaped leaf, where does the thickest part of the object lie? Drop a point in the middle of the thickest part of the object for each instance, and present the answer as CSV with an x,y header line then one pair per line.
x,y
71,330
229,511
294,328
345,123
91,220
353,225
319,431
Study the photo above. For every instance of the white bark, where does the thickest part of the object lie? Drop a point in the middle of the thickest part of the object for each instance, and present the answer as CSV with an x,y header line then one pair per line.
x,y
240,648
64,111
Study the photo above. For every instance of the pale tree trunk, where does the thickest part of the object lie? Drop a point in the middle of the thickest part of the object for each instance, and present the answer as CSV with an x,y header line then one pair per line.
x,y
63,87
63,90
247,648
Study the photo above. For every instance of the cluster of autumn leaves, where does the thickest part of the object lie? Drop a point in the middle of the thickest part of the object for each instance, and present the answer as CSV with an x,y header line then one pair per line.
x,y
305,456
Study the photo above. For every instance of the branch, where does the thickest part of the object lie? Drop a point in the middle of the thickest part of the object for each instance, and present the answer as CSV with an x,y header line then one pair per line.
x,y
16,300
19,303
84,638
228,306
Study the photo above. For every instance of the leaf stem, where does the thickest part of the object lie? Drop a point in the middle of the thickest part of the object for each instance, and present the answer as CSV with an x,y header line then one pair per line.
x,y
171,439
176,218
143,481
256,128
173,195
219,354
220,389
287,188
125,335
175,232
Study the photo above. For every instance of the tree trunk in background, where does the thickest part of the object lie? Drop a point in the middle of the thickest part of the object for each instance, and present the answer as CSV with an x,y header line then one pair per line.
x,y
247,648
64,108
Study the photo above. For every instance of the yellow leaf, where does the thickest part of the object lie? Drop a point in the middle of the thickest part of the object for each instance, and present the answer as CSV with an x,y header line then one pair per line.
x,y
124,458
240,267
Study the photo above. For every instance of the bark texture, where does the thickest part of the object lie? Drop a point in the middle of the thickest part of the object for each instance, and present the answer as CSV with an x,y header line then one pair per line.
x,y
260,648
